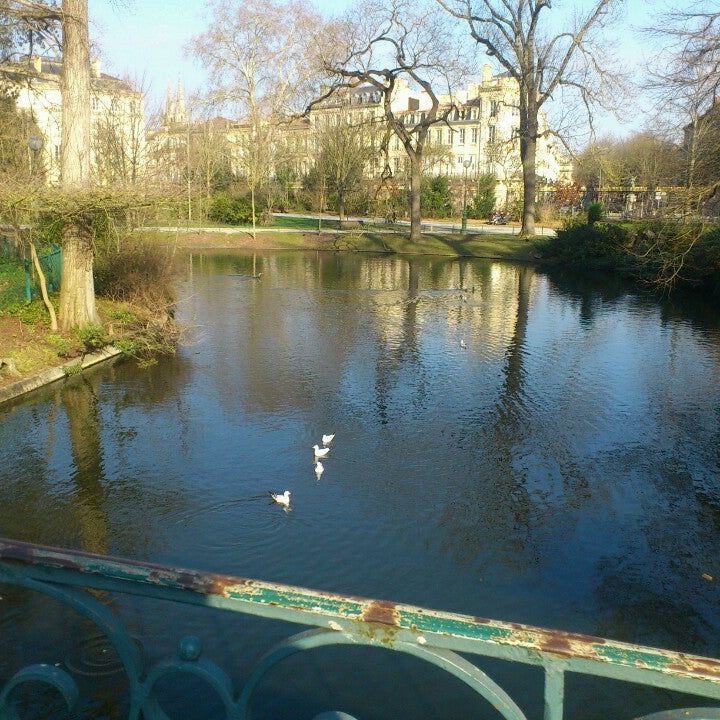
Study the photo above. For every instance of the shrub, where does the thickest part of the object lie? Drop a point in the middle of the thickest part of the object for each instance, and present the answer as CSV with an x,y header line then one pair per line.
x,y
663,254
601,246
546,213
136,269
595,213
435,198
93,336
483,204
233,210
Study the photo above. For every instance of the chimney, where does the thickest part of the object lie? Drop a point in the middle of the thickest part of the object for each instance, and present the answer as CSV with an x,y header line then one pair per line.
x,y
487,73
95,67
36,63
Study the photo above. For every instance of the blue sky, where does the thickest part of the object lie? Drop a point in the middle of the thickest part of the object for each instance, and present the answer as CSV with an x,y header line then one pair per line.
x,y
145,39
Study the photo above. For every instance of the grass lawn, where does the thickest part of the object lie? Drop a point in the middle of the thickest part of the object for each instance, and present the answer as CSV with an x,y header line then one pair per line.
x,y
500,246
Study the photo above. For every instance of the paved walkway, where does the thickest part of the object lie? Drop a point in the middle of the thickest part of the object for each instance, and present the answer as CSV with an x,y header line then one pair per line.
x,y
439,226
429,225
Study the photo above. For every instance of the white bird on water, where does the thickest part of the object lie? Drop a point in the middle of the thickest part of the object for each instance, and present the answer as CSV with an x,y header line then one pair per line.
x,y
281,498
319,469
327,439
463,345
320,452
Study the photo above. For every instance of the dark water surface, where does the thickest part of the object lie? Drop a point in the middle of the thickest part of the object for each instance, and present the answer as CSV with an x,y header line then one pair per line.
x,y
562,470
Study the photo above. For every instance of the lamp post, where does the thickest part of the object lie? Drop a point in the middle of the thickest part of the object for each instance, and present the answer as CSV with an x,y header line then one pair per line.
x,y
466,164
35,143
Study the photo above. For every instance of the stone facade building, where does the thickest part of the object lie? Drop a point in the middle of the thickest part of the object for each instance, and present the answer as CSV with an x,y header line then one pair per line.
x,y
117,117
479,136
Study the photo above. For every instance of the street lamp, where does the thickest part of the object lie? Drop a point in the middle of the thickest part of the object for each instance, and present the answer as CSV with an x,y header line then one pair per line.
x,y
35,143
466,164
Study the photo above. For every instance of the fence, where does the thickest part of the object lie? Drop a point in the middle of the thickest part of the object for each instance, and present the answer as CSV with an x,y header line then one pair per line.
x,y
433,636
18,279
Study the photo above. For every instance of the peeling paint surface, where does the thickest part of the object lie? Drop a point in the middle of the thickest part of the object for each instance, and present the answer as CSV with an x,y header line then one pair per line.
x,y
382,622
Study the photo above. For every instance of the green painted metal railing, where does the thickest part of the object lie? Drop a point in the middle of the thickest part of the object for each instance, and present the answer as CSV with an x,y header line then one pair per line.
x,y
436,637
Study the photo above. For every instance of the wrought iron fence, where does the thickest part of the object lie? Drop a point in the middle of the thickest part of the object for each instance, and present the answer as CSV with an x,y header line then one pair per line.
x,y
436,637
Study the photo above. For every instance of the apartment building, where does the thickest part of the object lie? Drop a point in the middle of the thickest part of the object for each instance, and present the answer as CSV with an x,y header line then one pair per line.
x,y
478,135
117,117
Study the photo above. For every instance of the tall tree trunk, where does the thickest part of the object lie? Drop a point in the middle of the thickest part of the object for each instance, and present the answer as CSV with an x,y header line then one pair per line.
x,y
341,206
528,150
529,186
415,183
77,292
692,154
252,208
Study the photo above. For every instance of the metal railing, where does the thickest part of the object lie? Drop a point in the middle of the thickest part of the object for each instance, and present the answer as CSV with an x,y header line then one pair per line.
x,y
436,637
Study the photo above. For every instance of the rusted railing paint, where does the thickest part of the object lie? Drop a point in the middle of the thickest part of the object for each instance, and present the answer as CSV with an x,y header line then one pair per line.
x,y
374,622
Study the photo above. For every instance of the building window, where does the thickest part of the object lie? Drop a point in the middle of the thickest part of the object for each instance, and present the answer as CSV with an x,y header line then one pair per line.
x,y
473,136
460,159
462,136
491,134
494,107
95,102
397,165
113,105
57,153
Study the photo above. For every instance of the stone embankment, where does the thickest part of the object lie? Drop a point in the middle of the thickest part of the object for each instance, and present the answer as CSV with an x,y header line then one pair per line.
x,y
51,375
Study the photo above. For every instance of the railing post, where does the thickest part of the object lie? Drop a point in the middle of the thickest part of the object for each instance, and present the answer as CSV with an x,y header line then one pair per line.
x,y
554,693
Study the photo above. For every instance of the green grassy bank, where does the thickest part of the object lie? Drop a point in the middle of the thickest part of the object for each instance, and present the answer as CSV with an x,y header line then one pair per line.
x,y
497,246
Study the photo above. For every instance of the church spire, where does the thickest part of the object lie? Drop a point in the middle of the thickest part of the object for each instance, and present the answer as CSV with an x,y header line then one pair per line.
x,y
180,111
169,106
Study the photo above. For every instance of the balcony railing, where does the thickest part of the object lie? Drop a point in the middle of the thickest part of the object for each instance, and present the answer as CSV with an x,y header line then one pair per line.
x,y
436,637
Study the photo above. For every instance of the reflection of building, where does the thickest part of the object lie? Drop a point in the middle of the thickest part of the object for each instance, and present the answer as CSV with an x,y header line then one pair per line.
x,y
118,118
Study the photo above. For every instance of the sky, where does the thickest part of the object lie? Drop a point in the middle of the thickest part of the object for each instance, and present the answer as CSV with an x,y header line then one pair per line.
x,y
146,40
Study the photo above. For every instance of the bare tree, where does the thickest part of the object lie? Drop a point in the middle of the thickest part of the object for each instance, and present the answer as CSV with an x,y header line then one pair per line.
x,y
685,79
118,135
344,148
389,47
257,56
27,26
543,60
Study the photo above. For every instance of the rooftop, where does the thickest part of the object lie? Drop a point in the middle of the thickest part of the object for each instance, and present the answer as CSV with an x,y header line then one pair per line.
x,y
50,70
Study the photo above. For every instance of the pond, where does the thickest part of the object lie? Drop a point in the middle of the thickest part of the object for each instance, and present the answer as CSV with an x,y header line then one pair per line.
x,y
530,448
